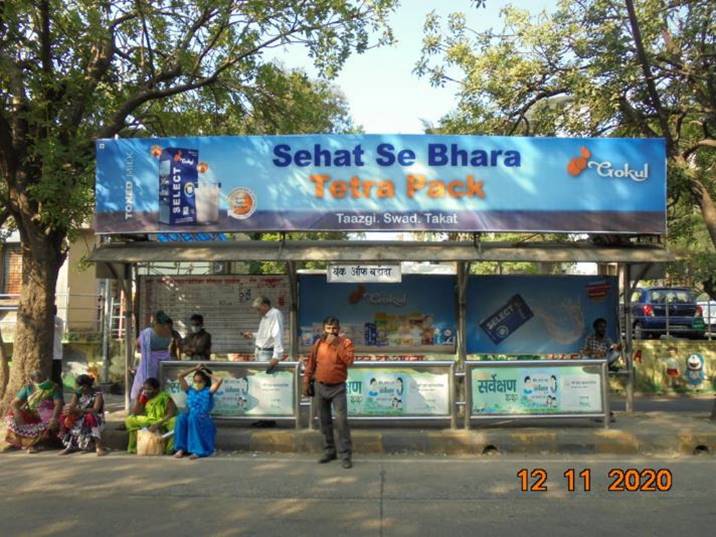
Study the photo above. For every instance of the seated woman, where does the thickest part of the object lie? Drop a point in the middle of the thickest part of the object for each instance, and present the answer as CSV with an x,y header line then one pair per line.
x,y
34,413
155,410
194,431
83,419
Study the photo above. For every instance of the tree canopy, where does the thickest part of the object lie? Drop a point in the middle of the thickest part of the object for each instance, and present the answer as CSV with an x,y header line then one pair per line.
x,y
594,68
74,71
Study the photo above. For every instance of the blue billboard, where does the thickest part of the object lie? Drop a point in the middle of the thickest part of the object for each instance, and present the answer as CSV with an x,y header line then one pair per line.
x,y
537,314
418,313
380,182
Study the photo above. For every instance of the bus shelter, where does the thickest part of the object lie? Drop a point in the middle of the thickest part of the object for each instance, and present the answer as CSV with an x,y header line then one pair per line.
x,y
121,260
579,188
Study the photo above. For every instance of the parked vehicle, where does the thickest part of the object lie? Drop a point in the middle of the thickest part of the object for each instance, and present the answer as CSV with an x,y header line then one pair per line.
x,y
708,307
666,310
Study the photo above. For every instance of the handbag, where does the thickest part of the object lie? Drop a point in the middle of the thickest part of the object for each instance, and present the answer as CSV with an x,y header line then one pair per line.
x,y
149,444
311,390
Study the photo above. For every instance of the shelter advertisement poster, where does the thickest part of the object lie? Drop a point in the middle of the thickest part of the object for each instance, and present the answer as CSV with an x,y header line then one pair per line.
x,y
538,314
515,390
244,391
417,313
380,182
398,392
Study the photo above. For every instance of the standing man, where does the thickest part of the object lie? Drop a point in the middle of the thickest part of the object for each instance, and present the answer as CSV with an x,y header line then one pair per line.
x,y
328,363
197,345
268,346
57,347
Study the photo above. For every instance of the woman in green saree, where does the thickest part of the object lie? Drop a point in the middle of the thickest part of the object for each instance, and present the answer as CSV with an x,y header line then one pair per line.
x,y
154,410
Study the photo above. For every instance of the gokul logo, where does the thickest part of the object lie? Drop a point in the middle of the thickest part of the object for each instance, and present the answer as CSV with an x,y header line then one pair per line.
x,y
605,168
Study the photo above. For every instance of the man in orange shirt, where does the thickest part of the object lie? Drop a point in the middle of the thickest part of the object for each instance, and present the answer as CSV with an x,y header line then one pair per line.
x,y
328,363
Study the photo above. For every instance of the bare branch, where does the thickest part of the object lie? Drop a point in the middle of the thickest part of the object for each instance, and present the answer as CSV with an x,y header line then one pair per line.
x,y
45,53
651,87
702,143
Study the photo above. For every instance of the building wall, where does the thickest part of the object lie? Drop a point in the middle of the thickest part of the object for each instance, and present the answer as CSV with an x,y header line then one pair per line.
x,y
11,269
77,288
82,286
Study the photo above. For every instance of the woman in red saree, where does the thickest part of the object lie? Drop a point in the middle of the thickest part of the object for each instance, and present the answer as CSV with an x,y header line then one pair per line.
x,y
34,413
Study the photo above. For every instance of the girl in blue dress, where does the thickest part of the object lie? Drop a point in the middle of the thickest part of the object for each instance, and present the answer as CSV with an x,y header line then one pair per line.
x,y
194,431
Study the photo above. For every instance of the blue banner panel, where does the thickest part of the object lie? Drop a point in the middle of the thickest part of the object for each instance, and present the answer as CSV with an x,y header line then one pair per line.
x,y
380,182
537,314
418,313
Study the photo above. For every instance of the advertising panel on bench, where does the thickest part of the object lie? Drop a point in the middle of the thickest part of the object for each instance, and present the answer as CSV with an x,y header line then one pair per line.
x,y
399,391
517,390
245,391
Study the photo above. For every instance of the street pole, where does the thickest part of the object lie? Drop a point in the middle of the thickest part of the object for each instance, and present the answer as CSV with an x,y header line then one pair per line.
x,y
128,332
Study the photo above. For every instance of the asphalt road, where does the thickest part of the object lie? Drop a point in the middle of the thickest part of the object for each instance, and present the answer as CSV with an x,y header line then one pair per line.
x,y
245,495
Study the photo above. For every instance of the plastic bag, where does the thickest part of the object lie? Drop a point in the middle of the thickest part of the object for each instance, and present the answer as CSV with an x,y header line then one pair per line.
x,y
149,443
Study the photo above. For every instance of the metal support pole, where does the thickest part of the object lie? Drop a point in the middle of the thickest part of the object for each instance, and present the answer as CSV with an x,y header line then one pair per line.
x,y
453,397
462,268
629,350
463,271
605,394
468,396
292,312
128,332
297,386
106,327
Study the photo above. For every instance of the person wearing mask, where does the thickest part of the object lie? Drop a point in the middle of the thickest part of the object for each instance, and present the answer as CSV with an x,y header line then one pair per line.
x,y
197,345
328,363
194,429
34,413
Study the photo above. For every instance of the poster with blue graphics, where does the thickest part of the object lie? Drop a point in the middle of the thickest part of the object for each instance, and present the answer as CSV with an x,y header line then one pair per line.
x,y
515,390
402,391
244,391
418,314
380,182
537,314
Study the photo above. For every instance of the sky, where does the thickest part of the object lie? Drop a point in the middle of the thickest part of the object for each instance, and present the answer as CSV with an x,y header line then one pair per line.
x,y
383,93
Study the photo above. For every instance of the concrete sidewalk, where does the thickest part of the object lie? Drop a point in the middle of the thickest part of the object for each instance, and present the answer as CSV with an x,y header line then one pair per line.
x,y
652,433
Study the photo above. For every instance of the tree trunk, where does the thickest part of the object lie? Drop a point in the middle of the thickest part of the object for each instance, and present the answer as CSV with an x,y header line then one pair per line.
x,y
707,206
4,373
42,257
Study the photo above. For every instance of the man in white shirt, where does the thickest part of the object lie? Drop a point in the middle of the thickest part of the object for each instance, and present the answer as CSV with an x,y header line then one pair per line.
x,y
57,347
268,338
268,346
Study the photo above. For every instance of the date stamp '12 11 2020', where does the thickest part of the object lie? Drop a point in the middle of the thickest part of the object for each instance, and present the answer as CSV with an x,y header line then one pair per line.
x,y
622,480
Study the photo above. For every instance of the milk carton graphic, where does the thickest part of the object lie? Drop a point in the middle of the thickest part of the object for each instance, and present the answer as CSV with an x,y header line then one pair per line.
x,y
178,177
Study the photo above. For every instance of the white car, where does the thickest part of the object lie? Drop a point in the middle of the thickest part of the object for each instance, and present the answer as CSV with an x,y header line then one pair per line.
x,y
709,312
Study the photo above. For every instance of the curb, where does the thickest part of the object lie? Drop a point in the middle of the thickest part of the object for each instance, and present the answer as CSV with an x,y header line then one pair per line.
x,y
461,443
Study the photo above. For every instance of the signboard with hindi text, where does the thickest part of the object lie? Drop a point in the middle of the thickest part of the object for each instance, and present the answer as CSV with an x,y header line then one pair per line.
x,y
398,391
363,273
247,390
368,182
515,389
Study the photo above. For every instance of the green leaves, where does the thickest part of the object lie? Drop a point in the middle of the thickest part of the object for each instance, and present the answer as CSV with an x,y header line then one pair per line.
x,y
166,67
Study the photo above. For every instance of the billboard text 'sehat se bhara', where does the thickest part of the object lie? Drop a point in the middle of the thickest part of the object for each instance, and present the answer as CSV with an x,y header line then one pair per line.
x,y
381,182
